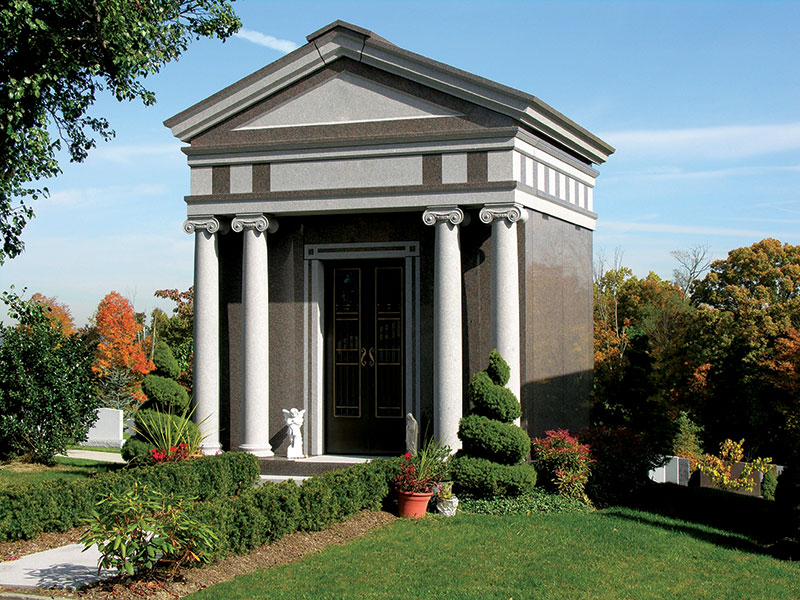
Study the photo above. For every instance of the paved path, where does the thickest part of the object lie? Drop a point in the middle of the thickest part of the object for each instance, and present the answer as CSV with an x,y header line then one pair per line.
x,y
66,567
112,457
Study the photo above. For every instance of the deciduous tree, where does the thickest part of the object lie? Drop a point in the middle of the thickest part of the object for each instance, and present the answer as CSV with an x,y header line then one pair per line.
x,y
119,346
59,314
55,57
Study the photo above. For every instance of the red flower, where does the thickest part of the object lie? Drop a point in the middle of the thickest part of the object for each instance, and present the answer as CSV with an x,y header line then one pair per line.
x,y
407,456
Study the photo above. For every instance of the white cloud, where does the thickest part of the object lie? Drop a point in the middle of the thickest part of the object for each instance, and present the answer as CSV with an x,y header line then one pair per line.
x,y
606,227
677,173
266,40
130,154
730,142
95,196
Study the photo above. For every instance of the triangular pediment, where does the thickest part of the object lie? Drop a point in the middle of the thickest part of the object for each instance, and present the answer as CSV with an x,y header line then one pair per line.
x,y
347,98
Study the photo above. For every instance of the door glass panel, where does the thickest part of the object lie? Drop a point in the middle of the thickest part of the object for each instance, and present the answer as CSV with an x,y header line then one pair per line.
x,y
389,342
347,342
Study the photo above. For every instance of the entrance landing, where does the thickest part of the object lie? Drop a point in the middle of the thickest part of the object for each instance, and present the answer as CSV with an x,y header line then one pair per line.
x,y
277,466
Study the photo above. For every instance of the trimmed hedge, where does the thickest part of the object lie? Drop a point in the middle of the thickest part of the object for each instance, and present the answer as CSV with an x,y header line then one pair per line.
x,y
483,478
273,510
57,505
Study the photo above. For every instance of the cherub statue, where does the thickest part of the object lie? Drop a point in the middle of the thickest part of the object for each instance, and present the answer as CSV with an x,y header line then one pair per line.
x,y
294,421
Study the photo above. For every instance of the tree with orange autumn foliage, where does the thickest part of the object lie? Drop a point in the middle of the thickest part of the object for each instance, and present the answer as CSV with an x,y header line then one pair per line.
x,y
120,360
57,313
119,331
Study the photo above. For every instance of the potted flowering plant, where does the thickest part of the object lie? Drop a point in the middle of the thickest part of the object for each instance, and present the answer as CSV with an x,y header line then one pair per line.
x,y
446,500
419,476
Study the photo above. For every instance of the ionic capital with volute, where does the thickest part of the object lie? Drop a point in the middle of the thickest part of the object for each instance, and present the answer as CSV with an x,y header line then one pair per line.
x,y
256,222
511,212
450,214
208,224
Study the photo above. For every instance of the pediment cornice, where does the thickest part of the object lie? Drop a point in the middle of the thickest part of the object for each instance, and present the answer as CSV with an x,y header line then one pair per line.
x,y
340,40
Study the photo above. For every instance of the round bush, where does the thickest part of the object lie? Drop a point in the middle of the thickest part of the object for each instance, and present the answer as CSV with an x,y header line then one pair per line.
x,y
504,443
165,361
498,368
483,478
165,394
136,448
492,400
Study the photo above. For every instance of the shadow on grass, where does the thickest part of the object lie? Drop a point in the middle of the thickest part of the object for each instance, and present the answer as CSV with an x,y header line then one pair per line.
x,y
745,523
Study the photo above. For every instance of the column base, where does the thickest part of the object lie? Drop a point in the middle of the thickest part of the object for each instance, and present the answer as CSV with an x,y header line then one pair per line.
x,y
260,451
210,449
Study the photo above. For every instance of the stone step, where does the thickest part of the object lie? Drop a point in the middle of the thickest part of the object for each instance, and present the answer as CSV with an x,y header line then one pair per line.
x,y
277,466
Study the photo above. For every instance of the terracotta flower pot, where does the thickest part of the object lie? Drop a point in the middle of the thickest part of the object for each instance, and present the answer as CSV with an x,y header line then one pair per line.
x,y
412,504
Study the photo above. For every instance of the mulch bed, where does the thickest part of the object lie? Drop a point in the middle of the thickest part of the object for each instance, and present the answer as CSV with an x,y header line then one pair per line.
x,y
288,549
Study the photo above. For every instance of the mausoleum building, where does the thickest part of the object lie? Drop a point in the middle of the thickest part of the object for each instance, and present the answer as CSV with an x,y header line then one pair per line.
x,y
369,223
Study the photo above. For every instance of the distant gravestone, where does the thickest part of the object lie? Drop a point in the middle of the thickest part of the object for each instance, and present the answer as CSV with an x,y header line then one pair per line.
x,y
107,430
412,434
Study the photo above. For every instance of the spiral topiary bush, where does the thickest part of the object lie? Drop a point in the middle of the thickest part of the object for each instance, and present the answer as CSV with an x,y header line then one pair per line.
x,y
490,462
163,392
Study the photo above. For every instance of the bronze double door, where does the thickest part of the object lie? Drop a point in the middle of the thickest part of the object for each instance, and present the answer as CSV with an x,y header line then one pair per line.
x,y
365,357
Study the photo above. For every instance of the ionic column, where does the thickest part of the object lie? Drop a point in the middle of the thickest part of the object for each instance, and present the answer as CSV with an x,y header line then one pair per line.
x,y
447,377
505,284
206,328
255,333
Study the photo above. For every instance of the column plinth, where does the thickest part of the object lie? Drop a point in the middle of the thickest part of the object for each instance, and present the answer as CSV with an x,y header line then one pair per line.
x,y
255,333
505,285
447,355
206,329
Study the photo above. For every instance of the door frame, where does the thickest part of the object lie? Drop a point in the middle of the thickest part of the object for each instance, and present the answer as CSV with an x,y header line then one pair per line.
x,y
314,327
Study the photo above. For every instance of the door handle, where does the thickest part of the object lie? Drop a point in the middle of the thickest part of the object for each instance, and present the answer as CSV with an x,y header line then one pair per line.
x,y
362,359
372,357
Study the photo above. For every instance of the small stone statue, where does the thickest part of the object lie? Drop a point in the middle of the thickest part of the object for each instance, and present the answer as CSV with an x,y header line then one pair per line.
x,y
412,434
294,421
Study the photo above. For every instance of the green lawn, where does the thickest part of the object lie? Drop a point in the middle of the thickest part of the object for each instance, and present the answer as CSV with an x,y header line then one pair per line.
x,y
620,552
65,468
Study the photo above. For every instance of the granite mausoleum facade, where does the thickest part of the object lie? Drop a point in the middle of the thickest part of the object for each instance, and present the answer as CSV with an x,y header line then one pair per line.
x,y
369,224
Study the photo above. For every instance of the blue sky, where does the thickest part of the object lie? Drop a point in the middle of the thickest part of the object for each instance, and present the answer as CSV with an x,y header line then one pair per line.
x,y
700,99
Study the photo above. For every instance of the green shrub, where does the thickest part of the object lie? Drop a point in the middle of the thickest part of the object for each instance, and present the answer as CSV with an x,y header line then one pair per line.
x,y
165,395
499,442
482,478
47,398
687,442
787,498
28,510
140,529
623,461
137,449
532,502
165,361
491,400
769,484
490,440
565,461
498,368
174,429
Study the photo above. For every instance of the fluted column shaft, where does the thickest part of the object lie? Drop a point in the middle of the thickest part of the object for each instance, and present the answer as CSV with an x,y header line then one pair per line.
x,y
206,329
447,376
505,285
255,333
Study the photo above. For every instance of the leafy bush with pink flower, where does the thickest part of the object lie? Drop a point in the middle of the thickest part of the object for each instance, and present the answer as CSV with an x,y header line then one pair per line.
x,y
564,461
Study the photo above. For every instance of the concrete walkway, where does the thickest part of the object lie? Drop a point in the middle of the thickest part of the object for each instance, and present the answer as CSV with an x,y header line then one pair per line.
x,y
67,567
112,457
